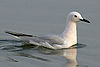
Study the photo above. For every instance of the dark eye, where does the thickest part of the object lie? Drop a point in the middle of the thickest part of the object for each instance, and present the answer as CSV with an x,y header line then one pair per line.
x,y
75,16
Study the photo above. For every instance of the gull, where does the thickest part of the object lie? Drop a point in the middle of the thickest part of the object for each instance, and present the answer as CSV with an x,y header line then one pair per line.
x,y
66,39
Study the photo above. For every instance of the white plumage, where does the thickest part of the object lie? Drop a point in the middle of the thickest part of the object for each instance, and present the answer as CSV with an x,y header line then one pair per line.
x,y
64,40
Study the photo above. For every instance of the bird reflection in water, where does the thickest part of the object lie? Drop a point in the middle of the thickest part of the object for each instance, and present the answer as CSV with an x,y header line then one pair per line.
x,y
69,54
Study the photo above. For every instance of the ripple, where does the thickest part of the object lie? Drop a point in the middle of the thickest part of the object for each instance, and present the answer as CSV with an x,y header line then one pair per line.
x,y
16,45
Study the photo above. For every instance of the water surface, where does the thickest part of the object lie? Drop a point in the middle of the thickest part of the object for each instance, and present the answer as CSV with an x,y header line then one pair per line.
x,y
48,17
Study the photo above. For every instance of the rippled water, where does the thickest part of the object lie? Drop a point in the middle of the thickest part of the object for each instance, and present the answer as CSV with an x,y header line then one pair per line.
x,y
48,17
15,53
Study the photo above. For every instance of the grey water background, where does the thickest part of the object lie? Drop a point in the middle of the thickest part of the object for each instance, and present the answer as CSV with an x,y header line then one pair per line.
x,y
48,17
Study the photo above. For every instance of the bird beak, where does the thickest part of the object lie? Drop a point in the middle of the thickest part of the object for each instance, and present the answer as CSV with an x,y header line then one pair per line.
x,y
85,20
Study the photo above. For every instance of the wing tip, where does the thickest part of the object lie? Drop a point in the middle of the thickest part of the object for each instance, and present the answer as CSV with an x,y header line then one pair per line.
x,y
18,34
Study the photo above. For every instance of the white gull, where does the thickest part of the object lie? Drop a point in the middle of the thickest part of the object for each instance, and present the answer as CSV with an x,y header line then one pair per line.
x,y
65,40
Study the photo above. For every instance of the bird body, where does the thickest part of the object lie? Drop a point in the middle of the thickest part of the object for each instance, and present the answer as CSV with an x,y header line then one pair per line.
x,y
64,40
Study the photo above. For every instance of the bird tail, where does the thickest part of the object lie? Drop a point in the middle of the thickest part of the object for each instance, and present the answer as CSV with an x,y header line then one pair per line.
x,y
17,35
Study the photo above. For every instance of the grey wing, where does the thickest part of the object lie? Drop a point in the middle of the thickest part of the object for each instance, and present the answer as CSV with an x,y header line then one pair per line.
x,y
49,40
28,39
53,39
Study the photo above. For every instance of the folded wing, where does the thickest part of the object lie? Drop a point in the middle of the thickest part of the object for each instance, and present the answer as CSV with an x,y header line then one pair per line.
x,y
46,41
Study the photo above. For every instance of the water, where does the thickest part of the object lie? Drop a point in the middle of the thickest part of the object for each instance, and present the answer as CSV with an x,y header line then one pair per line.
x,y
48,17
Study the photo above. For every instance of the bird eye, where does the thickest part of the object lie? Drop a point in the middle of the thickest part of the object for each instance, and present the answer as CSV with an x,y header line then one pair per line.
x,y
75,16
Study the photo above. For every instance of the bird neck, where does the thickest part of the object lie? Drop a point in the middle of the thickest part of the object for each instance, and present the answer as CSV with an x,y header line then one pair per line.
x,y
70,33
